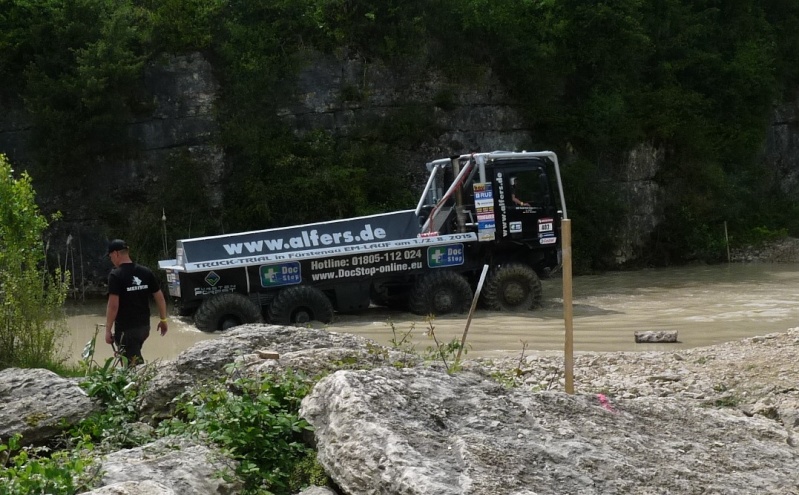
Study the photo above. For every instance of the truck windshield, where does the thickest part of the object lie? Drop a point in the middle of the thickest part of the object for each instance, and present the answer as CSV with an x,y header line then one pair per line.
x,y
530,186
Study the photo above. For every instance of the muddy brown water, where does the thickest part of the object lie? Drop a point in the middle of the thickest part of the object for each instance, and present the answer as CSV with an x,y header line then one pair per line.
x,y
705,304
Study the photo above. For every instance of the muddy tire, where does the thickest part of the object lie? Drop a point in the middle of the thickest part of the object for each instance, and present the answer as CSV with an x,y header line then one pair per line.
x,y
224,311
440,293
299,305
513,287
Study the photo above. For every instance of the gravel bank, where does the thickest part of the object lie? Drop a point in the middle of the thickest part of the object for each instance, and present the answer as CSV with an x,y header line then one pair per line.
x,y
758,375
781,251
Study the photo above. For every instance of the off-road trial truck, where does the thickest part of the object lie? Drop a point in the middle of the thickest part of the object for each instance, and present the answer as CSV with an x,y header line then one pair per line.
x,y
495,208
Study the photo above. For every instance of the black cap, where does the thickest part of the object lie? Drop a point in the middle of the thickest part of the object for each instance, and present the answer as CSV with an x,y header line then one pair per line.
x,y
117,245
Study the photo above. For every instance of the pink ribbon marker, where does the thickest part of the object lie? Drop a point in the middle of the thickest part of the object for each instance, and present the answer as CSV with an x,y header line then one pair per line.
x,y
605,402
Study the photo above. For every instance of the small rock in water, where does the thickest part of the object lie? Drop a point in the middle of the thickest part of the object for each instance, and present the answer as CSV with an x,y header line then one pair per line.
x,y
656,337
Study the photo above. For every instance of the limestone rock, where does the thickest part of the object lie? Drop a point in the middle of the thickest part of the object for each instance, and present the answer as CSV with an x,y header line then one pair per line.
x,y
757,375
35,403
780,251
314,362
416,431
654,337
317,490
133,488
208,358
718,419
638,188
783,407
179,464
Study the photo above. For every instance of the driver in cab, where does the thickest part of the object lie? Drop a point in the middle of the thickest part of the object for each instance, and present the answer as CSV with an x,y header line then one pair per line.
x,y
514,182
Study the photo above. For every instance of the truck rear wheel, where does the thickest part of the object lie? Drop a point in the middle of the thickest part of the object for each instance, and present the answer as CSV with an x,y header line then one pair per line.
x,y
440,293
300,304
513,287
224,311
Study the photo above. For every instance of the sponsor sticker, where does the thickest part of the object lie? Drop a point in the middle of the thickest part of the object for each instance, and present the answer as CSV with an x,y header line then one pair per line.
x,y
448,255
210,291
212,278
484,206
280,274
515,227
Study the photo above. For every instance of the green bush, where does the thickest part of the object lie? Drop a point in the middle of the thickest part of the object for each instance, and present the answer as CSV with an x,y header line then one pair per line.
x,y
118,389
596,210
257,422
184,25
77,66
760,235
31,317
70,469
29,471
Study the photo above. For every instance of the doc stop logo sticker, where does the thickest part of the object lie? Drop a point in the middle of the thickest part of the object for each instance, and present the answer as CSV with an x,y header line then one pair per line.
x,y
280,274
448,255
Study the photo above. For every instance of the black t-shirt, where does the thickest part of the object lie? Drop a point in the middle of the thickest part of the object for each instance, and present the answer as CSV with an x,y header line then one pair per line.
x,y
133,284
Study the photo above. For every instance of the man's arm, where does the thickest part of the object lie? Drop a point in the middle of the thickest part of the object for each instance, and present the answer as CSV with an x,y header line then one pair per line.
x,y
111,310
160,301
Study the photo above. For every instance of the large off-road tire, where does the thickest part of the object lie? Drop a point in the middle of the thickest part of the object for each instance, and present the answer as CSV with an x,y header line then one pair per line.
x,y
513,287
300,304
224,311
440,293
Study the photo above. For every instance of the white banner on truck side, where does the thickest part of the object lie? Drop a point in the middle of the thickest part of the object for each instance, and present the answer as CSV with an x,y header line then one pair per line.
x,y
331,235
327,252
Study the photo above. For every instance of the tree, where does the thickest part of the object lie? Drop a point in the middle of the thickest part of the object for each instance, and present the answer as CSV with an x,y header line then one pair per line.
x,y
77,65
31,300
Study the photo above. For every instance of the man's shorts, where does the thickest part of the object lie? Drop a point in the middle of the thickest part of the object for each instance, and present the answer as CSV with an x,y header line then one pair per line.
x,y
130,341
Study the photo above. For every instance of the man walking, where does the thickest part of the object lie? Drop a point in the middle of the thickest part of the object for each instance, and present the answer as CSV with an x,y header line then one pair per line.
x,y
127,316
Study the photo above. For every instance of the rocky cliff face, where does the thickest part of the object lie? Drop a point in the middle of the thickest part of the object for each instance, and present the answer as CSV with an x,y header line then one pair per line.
x,y
183,121
781,151
184,91
474,113
641,196
477,113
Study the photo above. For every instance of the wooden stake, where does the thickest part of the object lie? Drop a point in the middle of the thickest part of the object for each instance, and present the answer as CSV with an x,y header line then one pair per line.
x,y
568,350
471,311
727,241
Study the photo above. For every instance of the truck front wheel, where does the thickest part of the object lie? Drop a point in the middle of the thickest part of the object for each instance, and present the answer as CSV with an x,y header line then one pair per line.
x,y
513,287
224,311
300,304
440,293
